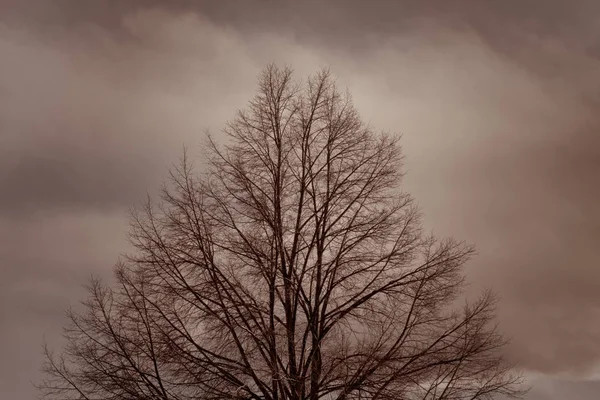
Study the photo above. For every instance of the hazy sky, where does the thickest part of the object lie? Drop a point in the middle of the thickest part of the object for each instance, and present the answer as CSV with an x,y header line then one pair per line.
x,y
497,102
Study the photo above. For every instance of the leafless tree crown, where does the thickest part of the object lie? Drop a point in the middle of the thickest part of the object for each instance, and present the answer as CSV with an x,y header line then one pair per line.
x,y
291,267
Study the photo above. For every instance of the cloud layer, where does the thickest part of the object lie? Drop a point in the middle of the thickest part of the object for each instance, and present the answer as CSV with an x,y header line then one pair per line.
x,y
497,105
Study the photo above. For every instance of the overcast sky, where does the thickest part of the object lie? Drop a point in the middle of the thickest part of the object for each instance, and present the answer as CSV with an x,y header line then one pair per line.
x,y
497,102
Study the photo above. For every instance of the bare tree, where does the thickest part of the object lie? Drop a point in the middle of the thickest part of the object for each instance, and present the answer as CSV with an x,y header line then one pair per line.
x,y
291,267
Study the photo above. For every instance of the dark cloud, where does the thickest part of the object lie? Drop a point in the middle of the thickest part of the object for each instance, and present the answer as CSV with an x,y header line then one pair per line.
x,y
496,101
559,389
90,122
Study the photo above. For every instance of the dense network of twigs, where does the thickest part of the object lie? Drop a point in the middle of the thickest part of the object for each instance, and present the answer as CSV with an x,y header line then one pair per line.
x,y
291,267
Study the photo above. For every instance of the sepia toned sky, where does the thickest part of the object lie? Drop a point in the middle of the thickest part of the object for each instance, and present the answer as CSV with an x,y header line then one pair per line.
x,y
497,102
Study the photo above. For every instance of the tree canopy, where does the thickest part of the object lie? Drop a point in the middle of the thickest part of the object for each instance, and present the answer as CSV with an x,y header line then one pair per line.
x,y
290,266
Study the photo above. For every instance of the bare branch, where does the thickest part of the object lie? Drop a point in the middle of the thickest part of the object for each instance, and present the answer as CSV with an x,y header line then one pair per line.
x,y
293,267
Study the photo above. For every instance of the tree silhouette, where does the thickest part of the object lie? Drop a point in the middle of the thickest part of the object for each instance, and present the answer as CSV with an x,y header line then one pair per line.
x,y
291,267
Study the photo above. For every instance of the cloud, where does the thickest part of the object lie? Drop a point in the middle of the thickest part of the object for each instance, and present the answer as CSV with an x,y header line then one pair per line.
x,y
497,105
91,122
